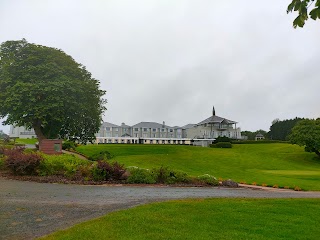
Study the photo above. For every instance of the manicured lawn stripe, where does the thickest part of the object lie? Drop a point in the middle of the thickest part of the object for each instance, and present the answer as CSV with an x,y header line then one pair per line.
x,y
206,219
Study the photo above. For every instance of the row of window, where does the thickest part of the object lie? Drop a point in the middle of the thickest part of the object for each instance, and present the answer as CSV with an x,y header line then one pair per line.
x,y
144,129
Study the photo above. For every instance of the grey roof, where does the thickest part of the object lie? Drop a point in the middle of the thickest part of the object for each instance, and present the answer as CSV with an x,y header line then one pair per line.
x,y
259,135
107,124
190,125
216,119
149,125
125,125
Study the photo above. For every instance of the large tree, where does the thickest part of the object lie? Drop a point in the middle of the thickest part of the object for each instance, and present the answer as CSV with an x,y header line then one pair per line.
x,y
45,89
307,133
305,9
280,130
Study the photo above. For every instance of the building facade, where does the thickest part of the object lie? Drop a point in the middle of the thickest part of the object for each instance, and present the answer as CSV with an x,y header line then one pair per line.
x,y
157,133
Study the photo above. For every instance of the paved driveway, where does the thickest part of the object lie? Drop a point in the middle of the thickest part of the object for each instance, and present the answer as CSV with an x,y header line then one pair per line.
x,y
29,209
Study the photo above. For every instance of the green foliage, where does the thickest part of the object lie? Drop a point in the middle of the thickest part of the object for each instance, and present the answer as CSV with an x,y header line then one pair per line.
x,y
307,133
222,139
103,155
280,130
140,175
252,135
305,8
45,89
221,145
168,176
21,163
69,145
63,164
208,179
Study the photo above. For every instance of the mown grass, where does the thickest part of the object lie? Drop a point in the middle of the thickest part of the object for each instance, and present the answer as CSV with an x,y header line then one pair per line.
x,y
273,164
205,219
26,141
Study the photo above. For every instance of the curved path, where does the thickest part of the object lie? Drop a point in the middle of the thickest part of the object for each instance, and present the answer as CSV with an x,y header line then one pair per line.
x,y
29,209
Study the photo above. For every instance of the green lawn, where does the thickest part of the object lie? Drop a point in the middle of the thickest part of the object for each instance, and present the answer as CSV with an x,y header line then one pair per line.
x,y
279,163
26,140
206,219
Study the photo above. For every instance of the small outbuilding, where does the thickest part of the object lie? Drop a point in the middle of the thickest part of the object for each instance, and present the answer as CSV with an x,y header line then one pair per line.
x,y
259,136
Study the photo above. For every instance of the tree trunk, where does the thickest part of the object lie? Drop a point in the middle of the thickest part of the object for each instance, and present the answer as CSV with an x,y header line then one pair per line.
x,y
38,131
317,152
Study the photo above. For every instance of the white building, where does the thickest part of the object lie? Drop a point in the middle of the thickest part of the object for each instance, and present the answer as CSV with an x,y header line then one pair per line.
x,y
157,133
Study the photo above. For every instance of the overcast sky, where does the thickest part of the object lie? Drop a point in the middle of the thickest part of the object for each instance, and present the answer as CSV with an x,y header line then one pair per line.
x,y
173,60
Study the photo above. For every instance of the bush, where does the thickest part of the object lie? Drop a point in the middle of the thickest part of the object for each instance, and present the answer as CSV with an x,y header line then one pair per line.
x,y
21,163
222,139
165,175
221,145
105,171
140,175
104,155
63,164
67,145
208,179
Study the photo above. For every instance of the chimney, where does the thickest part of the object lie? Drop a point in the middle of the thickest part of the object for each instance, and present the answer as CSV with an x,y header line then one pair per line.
x,y
163,124
213,111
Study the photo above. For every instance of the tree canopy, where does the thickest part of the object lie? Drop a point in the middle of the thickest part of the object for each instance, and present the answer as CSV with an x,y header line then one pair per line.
x,y
305,9
46,89
280,130
307,133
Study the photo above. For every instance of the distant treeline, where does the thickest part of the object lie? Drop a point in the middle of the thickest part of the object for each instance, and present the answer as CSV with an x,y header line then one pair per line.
x,y
279,130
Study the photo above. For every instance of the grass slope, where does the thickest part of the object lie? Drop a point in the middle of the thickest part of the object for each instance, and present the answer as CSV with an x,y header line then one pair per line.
x,y
279,163
206,219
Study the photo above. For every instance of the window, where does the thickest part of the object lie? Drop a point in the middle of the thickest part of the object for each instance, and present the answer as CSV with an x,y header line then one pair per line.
x,y
108,134
154,135
145,129
179,130
162,130
116,135
169,141
151,141
171,130
136,129
154,130
136,134
163,141
107,129
145,135
116,129
124,129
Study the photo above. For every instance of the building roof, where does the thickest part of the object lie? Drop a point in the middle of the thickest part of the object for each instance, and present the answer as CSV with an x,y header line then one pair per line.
x,y
150,125
259,135
216,119
190,125
107,124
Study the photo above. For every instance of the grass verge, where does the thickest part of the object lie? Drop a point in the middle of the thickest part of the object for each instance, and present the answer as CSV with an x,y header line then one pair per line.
x,y
205,219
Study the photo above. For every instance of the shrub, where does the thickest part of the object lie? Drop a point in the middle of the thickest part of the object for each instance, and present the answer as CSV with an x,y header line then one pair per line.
x,y
221,145
222,139
104,171
165,175
21,163
67,145
63,164
208,179
140,175
104,155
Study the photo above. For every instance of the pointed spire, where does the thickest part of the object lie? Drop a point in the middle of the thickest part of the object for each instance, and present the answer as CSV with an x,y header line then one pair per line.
x,y
213,111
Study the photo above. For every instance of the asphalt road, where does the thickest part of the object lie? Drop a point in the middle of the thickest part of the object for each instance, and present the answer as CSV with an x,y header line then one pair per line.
x,y
29,209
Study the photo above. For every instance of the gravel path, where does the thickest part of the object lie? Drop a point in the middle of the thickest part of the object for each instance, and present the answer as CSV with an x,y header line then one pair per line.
x,y
29,209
